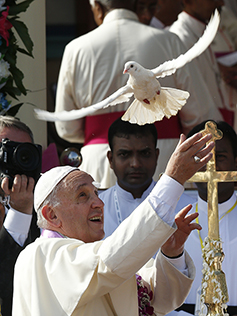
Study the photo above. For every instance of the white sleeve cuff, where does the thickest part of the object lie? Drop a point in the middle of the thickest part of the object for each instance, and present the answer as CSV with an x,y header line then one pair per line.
x,y
179,263
18,224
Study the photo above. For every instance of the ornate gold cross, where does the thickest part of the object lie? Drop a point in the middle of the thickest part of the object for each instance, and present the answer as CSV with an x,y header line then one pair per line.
x,y
214,289
212,177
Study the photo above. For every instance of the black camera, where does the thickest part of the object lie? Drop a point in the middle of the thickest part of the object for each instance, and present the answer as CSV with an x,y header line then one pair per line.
x,y
19,158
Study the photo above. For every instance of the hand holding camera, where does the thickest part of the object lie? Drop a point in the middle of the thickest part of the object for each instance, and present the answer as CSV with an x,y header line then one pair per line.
x,y
20,167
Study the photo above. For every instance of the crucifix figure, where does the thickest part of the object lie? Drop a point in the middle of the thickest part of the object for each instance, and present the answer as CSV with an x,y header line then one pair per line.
x,y
214,289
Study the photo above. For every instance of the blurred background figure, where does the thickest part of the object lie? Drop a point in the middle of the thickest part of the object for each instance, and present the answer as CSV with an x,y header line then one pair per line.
x,y
166,13
145,10
225,47
232,5
189,26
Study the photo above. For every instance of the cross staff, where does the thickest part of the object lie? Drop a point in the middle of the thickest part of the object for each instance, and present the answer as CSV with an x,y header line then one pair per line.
x,y
212,177
214,278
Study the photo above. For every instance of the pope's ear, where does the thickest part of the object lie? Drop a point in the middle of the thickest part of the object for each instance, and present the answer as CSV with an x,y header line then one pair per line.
x,y
50,216
110,158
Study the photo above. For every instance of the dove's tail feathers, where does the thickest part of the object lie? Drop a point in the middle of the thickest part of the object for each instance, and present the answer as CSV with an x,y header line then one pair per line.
x,y
169,67
139,114
172,100
168,103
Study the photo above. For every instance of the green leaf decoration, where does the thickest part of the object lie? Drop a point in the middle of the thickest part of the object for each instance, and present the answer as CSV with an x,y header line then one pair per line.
x,y
12,84
18,8
18,77
23,51
22,31
14,109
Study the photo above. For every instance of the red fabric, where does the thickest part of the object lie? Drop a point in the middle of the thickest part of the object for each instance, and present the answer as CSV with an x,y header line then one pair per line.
x,y
97,126
228,116
50,158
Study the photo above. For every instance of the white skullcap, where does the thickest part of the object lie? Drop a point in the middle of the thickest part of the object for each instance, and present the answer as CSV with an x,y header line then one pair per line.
x,y
48,181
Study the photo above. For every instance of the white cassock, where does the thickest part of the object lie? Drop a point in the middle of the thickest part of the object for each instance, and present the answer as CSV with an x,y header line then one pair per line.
x,y
63,276
92,69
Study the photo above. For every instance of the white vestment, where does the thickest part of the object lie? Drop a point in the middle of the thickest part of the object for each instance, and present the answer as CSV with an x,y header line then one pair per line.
x,y
189,29
92,69
229,239
119,204
63,276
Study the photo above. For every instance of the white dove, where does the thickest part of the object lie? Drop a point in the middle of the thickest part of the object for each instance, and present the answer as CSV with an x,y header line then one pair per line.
x,y
151,101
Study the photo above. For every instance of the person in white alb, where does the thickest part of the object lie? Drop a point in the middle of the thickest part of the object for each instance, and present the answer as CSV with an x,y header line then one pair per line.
x,y
71,271
226,160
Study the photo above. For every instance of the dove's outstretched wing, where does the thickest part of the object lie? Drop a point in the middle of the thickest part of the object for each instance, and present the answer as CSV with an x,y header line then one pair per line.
x,y
121,95
169,67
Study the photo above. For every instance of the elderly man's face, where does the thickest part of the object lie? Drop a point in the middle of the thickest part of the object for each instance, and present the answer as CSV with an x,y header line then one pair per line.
x,y
80,211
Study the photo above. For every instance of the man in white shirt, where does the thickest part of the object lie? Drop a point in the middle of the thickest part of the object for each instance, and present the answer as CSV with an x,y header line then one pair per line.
x,y
133,158
71,271
18,224
226,160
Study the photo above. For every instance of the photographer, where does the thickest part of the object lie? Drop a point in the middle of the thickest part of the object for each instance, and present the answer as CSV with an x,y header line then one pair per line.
x,y
19,226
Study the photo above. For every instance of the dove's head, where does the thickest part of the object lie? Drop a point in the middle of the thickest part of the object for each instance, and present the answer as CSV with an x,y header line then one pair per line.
x,y
131,67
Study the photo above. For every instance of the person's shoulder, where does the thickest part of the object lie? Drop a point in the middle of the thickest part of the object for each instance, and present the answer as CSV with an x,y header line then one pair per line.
x,y
182,25
103,194
82,41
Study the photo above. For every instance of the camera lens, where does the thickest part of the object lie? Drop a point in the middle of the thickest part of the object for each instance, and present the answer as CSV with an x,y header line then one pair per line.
x,y
26,156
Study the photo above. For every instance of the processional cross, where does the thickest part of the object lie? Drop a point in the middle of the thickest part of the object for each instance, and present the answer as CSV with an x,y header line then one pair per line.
x,y
214,289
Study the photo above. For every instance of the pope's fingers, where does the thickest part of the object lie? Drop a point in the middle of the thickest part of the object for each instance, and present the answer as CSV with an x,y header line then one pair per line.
x,y
204,151
194,143
182,213
182,138
182,220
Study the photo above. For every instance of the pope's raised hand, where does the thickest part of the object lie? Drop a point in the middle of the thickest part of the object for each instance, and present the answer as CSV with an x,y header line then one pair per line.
x,y
183,164
174,246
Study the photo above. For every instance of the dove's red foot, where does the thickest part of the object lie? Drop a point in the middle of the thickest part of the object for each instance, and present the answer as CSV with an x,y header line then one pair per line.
x,y
158,92
146,101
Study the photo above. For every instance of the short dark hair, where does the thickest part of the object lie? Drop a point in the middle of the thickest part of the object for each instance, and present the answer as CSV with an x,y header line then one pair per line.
x,y
122,128
113,4
226,129
13,122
